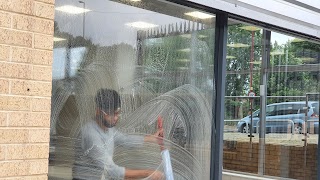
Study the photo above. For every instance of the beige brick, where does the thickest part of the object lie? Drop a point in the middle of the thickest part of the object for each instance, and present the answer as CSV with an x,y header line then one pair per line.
x,y
36,177
20,6
44,10
14,168
29,177
4,53
21,22
43,42
15,70
4,86
31,88
3,119
28,23
33,56
44,26
13,136
5,19
23,55
42,57
27,151
41,104
24,168
39,167
29,119
14,103
3,151
39,135
42,73
46,1
14,37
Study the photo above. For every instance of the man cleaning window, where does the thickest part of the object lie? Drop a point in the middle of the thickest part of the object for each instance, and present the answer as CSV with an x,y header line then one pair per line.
x,y
98,137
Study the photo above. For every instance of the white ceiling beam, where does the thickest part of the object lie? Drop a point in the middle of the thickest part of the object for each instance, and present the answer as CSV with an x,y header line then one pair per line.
x,y
280,13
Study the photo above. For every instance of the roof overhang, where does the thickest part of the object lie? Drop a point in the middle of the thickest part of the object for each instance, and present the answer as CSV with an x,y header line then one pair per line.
x,y
301,16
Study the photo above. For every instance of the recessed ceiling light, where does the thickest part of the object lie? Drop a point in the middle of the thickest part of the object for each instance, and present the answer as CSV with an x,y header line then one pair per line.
x,y
58,39
202,36
238,45
250,28
72,9
306,59
199,15
141,24
183,60
182,68
255,62
189,36
230,57
277,52
186,35
297,40
184,50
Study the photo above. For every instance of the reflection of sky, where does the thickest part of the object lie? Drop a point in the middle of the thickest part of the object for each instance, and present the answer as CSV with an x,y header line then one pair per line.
x,y
105,23
280,38
60,59
59,63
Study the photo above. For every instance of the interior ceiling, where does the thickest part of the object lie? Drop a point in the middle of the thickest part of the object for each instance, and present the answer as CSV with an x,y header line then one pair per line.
x,y
167,8
171,9
293,6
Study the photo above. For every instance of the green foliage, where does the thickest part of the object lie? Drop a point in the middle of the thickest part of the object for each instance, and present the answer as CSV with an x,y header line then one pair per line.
x,y
238,66
180,59
288,80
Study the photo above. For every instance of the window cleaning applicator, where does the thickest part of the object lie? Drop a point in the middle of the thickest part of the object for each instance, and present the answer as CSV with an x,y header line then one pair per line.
x,y
165,154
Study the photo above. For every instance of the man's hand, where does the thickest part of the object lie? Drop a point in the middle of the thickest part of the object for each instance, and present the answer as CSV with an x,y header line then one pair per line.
x,y
143,173
157,175
159,133
157,137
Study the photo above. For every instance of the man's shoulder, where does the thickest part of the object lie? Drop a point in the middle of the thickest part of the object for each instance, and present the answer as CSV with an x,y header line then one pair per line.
x,y
89,127
88,124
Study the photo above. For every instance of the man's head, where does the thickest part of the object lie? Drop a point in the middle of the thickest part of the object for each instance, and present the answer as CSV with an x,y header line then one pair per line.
x,y
108,107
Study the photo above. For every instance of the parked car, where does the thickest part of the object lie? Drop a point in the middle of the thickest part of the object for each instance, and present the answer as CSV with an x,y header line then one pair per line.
x,y
278,116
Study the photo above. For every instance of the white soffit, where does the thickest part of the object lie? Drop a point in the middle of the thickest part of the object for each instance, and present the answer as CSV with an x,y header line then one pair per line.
x,y
299,15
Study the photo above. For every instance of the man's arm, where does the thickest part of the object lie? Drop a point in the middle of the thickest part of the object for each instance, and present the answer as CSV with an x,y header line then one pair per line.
x,y
155,138
135,174
137,140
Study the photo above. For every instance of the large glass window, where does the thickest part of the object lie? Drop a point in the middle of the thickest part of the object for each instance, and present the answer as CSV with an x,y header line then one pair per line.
x,y
293,83
242,79
159,58
244,57
291,118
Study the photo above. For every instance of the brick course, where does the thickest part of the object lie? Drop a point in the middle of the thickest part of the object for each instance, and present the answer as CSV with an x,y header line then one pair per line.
x,y
280,160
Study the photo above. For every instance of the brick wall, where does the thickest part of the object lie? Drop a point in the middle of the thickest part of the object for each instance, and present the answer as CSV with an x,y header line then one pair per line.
x,y
281,160
26,42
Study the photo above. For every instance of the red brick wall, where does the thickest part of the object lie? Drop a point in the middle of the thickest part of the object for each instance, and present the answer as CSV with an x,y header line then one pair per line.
x,y
281,160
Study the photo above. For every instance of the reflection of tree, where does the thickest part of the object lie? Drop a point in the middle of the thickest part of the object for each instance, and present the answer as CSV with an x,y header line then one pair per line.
x,y
94,52
237,84
73,96
289,74
74,42
180,59
293,83
97,69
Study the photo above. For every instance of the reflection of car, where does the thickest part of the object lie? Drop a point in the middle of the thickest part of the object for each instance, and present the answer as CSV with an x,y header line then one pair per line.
x,y
278,117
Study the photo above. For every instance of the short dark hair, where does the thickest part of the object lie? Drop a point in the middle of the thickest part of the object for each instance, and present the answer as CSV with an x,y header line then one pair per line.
x,y
108,100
